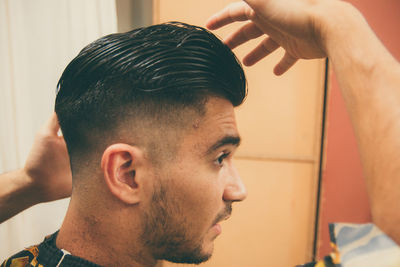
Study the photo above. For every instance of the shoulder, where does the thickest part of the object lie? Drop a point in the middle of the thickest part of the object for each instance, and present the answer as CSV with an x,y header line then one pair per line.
x,y
26,257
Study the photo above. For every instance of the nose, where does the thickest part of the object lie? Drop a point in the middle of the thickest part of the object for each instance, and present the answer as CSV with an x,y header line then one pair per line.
x,y
235,190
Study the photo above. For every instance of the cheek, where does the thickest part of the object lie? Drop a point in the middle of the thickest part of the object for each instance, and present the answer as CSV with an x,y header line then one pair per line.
x,y
199,195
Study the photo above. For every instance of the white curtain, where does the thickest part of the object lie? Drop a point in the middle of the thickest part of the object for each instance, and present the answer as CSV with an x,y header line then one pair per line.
x,y
38,38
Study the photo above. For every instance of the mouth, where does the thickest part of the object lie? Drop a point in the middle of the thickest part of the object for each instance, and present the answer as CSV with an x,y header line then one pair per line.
x,y
225,215
225,218
217,226
219,220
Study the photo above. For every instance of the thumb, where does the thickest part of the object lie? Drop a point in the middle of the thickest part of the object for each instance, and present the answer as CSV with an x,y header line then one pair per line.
x,y
51,127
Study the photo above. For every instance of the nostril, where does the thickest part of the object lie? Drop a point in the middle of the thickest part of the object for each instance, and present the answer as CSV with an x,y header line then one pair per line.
x,y
236,192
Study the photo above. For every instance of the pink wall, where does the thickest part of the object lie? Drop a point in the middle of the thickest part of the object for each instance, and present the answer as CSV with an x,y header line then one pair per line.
x,y
343,195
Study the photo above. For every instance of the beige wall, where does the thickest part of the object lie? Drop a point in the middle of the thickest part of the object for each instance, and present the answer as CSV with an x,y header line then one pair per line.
x,y
280,123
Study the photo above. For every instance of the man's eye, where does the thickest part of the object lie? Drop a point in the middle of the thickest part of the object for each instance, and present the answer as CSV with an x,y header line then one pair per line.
x,y
220,160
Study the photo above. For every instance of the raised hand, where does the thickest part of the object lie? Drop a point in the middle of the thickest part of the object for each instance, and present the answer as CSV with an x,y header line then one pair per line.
x,y
296,25
46,175
48,164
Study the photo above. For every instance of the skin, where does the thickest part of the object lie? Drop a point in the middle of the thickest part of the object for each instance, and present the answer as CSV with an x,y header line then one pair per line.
x,y
205,170
46,175
368,74
135,212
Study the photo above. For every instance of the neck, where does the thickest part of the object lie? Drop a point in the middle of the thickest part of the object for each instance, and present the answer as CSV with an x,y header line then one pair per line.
x,y
102,239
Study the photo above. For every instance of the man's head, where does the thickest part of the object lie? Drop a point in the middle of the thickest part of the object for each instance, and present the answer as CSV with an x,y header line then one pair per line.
x,y
150,114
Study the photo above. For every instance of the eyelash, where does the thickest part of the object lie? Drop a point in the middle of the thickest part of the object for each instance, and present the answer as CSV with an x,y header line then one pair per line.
x,y
220,160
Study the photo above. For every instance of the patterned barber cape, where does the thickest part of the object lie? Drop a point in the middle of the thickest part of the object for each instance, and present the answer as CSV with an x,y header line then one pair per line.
x,y
46,254
354,245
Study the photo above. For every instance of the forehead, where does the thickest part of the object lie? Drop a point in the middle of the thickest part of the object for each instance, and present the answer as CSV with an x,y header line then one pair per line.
x,y
218,122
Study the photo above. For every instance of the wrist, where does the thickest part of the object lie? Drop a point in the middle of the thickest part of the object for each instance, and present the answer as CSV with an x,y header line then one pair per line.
x,y
336,23
28,190
16,193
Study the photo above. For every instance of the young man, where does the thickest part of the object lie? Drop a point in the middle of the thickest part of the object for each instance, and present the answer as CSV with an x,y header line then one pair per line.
x,y
148,121
370,81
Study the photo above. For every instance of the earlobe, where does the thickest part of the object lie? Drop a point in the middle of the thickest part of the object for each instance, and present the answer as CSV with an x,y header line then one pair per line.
x,y
119,163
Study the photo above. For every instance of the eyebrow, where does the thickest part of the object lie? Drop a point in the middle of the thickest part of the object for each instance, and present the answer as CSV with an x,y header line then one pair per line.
x,y
227,140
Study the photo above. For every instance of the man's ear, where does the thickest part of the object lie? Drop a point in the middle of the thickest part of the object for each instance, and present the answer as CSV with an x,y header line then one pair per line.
x,y
119,164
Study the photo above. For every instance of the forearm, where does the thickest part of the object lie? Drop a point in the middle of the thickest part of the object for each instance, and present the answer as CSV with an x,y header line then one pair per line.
x,y
16,194
369,78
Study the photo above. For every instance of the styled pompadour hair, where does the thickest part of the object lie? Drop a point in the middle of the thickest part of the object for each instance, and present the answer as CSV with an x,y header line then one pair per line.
x,y
145,74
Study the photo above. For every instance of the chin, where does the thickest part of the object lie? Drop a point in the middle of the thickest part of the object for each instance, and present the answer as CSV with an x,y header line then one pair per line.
x,y
188,259
195,256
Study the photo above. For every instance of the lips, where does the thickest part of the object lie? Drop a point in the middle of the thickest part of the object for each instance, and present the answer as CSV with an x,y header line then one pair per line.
x,y
226,218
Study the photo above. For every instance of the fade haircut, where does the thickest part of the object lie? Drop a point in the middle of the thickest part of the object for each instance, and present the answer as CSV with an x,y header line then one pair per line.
x,y
148,77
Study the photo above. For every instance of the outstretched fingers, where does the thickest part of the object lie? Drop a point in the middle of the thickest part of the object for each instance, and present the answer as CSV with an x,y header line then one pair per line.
x,y
245,33
259,24
266,47
286,63
238,11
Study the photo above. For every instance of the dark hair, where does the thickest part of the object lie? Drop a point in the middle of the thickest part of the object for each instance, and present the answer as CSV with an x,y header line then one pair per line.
x,y
146,73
